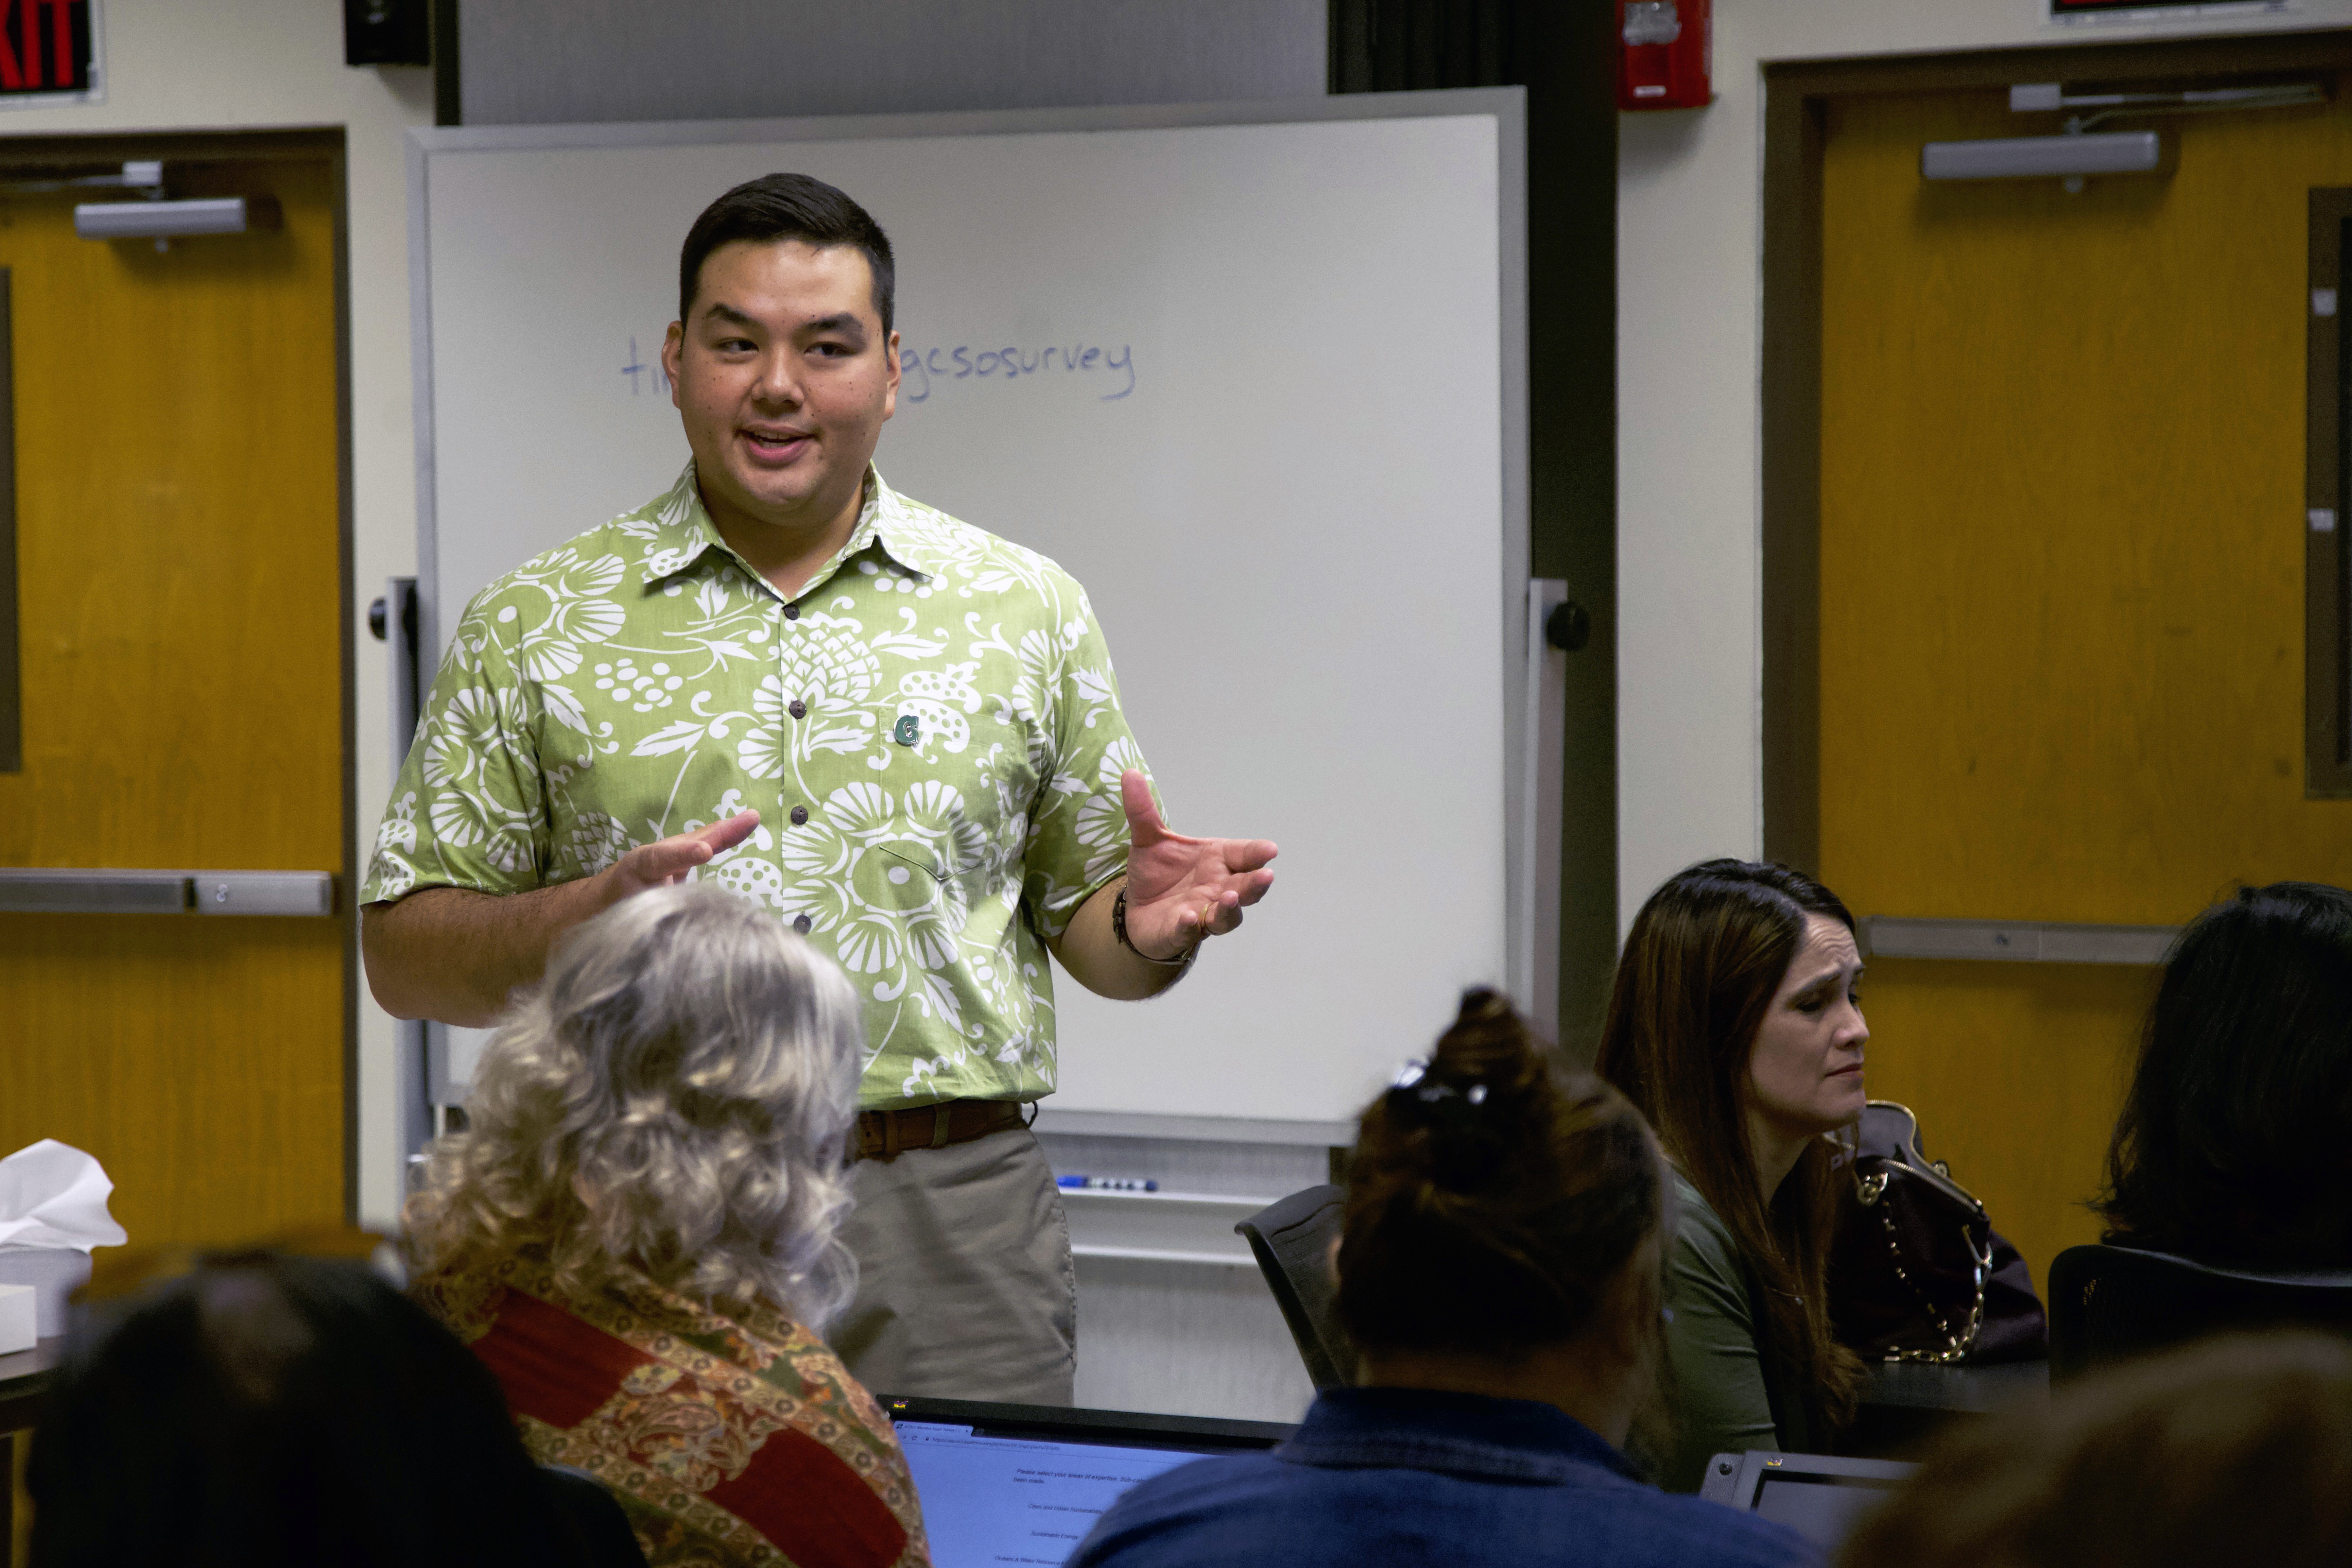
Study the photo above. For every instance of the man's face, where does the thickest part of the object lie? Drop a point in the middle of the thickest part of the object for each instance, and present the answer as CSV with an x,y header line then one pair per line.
x,y
782,377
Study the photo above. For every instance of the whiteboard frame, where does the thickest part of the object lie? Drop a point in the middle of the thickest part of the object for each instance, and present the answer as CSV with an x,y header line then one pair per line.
x,y
1531,881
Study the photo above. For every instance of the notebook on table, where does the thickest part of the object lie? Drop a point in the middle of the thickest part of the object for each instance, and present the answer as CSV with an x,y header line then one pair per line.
x,y
1817,1497
1025,1483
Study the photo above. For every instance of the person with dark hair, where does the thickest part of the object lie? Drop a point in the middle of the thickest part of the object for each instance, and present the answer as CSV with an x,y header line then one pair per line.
x,y
898,733
1499,1271
2232,1148
1736,1026
790,207
2236,1450
266,1411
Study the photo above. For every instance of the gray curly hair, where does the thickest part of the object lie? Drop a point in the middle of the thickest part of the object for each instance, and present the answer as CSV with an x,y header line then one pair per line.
x,y
675,1098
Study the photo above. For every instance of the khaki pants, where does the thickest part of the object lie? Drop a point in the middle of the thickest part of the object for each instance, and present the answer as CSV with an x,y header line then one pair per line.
x,y
964,1284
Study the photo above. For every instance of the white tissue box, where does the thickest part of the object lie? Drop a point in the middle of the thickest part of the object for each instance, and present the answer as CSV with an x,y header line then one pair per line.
x,y
19,1329
53,1273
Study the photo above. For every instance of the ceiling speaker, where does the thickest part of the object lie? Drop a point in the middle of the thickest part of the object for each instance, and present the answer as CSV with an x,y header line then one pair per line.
x,y
387,32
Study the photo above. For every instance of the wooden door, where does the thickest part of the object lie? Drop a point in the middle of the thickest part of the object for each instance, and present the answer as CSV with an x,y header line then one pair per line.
x,y
182,633
2061,596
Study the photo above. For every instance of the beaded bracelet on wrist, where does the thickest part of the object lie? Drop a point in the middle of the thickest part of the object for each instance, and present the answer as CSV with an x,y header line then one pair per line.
x,y
1118,930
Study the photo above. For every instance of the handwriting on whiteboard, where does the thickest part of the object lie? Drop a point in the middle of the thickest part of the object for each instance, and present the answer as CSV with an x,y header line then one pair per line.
x,y
646,376
923,370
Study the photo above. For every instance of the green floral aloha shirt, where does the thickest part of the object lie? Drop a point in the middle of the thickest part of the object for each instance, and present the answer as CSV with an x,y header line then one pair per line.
x,y
930,734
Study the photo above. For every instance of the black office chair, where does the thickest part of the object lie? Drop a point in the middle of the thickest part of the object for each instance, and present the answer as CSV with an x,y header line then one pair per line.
x,y
1293,1241
2107,1303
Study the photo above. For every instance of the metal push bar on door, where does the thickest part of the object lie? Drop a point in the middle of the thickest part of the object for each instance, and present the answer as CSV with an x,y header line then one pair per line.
x,y
61,891
2018,942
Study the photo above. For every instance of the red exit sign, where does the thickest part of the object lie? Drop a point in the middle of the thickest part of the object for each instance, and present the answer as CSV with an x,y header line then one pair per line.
x,y
46,46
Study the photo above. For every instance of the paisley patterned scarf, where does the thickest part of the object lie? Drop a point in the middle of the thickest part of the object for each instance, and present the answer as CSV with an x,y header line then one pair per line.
x,y
730,1438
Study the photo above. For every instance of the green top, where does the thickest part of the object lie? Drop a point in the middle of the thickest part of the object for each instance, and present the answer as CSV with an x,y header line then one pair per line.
x,y
1717,1388
930,734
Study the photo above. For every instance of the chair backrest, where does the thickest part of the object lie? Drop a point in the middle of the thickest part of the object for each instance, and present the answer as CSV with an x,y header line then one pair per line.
x,y
1293,1241
2107,1303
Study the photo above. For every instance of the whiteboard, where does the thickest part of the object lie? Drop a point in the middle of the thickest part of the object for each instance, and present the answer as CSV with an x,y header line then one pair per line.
x,y
1292,480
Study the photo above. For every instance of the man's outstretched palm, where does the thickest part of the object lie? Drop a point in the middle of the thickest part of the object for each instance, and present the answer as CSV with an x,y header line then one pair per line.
x,y
1180,889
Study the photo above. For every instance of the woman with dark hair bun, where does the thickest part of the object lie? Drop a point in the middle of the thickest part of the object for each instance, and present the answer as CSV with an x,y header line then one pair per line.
x,y
1735,1028
1499,1273
2235,1143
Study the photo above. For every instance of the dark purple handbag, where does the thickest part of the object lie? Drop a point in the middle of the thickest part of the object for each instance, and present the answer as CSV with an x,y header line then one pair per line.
x,y
1917,1272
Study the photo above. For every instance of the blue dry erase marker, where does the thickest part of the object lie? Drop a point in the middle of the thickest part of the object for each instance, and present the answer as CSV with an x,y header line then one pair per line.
x,y
1108,1184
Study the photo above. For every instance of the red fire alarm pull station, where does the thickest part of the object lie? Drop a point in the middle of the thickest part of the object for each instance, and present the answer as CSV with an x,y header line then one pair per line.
x,y
1664,50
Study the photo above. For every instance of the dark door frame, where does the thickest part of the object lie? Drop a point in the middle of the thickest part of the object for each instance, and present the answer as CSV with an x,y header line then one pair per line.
x,y
1566,57
20,156
1796,95
2327,590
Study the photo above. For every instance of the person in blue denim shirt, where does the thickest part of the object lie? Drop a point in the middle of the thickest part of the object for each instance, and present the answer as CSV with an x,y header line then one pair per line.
x,y
1502,1274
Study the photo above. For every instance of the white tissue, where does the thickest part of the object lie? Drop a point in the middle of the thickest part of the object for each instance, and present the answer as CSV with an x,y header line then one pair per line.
x,y
54,1195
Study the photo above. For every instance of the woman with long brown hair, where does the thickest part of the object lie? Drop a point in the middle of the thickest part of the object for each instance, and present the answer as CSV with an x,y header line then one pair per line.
x,y
1735,1028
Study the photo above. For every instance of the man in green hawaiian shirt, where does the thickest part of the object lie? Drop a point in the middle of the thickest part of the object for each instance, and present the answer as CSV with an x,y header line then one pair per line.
x,y
900,734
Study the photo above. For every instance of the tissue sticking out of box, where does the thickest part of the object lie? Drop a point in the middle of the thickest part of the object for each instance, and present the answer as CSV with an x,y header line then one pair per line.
x,y
54,1195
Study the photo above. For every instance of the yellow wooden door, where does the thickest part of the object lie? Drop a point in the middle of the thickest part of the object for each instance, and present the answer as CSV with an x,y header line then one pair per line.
x,y
2061,624
181,609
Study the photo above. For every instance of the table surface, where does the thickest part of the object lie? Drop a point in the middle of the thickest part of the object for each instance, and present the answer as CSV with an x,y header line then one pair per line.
x,y
1906,1384
1974,1389
23,1390
30,1369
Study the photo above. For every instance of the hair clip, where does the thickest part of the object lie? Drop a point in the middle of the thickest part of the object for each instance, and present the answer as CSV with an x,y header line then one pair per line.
x,y
1411,1090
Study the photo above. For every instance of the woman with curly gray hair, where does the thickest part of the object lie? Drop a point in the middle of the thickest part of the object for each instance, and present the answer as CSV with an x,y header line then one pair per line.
x,y
636,1231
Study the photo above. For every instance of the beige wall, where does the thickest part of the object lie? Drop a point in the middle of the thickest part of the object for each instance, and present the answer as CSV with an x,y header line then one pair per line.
x,y
535,62
191,65
1689,239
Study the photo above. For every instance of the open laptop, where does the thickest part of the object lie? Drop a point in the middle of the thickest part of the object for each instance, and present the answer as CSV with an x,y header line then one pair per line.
x,y
1817,1497
1023,1483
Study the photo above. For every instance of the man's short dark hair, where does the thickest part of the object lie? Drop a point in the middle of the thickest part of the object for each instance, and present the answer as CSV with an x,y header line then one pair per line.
x,y
787,206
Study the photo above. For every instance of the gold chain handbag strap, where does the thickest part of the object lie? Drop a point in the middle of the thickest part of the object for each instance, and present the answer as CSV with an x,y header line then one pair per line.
x,y
1958,1344
1870,1189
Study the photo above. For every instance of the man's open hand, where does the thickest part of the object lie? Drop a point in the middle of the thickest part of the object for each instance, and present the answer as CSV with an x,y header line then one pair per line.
x,y
458,955
668,860
1182,890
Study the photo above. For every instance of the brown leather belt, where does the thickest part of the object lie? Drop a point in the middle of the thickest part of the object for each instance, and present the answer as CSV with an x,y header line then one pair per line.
x,y
886,1134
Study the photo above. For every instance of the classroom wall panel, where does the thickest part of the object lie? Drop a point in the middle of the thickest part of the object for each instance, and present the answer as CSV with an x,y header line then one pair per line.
x,y
537,62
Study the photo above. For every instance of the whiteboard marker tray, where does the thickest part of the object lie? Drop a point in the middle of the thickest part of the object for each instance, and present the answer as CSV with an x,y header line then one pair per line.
x,y
1161,1227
